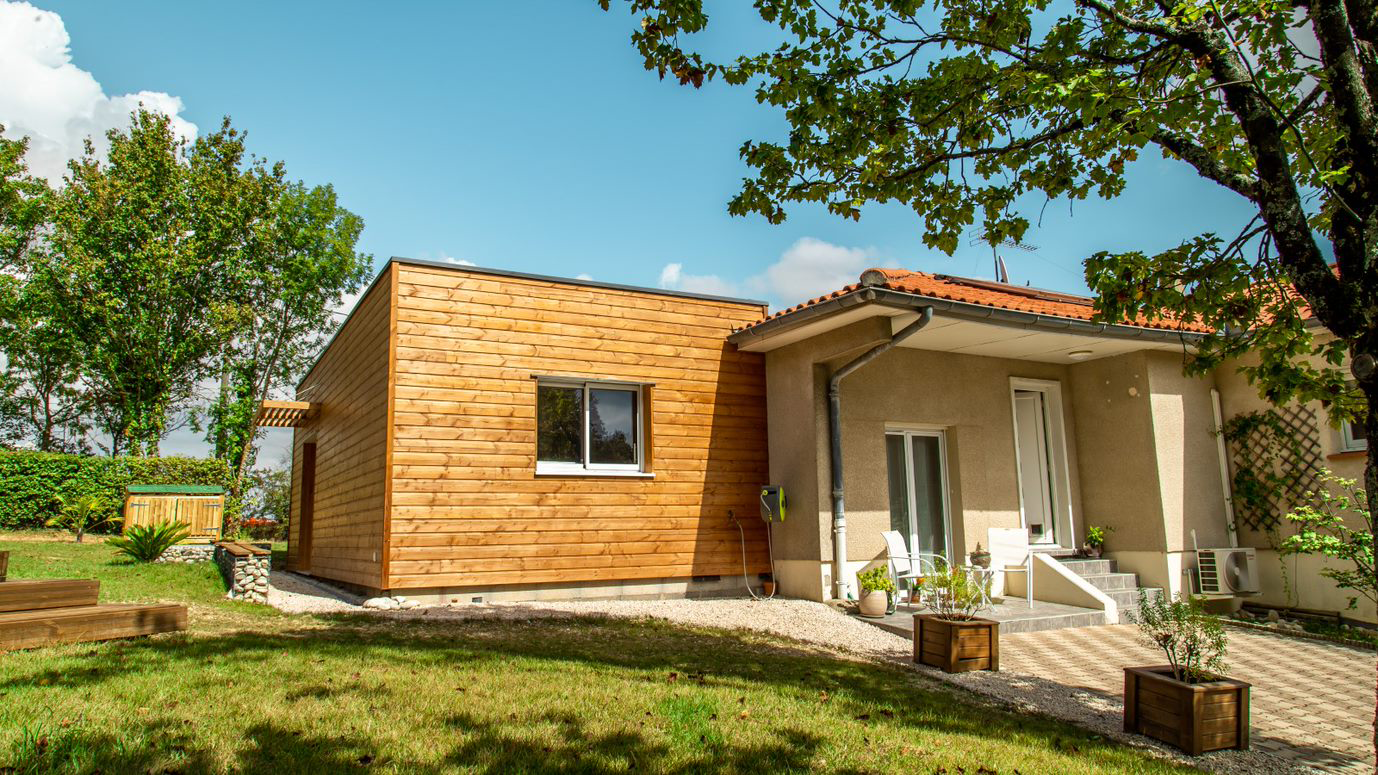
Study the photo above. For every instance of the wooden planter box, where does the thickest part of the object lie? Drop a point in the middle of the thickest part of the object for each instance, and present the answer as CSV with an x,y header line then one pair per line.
x,y
956,647
1197,718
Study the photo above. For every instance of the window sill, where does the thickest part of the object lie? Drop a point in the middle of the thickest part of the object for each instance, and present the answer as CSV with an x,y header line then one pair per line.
x,y
1349,454
593,472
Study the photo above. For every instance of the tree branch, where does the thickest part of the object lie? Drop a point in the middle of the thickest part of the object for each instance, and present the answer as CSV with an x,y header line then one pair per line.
x,y
1206,164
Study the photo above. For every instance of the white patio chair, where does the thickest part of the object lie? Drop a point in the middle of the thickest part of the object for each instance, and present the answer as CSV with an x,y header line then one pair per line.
x,y
1009,551
907,568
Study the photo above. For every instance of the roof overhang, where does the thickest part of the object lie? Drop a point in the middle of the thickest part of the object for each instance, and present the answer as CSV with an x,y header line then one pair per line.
x,y
964,327
286,414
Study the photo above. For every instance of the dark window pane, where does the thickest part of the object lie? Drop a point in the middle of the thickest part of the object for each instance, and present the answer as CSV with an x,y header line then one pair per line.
x,y
559,424
928,496
1357,431
899,485
612,426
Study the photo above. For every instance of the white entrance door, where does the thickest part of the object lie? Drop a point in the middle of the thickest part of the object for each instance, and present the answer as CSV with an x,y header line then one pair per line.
x,y
1035,469
917,468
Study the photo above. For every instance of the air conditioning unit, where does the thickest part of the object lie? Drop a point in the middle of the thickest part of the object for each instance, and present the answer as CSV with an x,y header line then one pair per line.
x,y
1227,572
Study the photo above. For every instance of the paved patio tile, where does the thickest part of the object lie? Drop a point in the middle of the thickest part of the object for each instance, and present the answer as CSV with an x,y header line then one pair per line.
x,y
1311,702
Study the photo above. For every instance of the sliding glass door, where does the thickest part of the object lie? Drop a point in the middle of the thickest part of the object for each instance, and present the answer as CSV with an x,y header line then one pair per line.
x,y
917,468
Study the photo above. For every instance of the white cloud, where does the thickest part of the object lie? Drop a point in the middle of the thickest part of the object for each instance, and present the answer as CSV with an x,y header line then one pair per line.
x,y
673,278
807,269
54,103
583,276
457,261
810,268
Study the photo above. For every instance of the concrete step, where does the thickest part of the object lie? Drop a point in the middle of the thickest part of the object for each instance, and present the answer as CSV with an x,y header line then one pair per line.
x,y
1038,622
1128,599
1107,582
1058,553
1083,567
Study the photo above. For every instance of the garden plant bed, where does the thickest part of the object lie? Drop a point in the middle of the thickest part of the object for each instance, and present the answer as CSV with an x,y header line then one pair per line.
x,y
956,646
1339,640
1196,717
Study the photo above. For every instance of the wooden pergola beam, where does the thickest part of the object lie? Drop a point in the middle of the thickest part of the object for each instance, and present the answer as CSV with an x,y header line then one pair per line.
x,y
286,414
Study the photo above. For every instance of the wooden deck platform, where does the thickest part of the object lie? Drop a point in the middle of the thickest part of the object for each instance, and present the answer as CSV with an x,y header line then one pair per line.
x,y
47,612
36,595
29,629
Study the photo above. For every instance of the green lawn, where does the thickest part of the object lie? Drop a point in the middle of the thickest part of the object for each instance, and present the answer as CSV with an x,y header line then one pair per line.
x,y
250,691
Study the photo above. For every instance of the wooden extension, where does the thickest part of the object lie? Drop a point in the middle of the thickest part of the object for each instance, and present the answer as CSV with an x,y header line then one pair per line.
x,y
4,564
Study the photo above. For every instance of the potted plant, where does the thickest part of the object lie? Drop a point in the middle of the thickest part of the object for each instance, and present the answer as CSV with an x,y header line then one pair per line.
x,y
1186,702
1095,540
953,637
876,587
980,557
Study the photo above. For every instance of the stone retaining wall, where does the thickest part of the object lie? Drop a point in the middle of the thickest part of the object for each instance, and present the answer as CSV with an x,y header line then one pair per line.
x,y
246,569
187,553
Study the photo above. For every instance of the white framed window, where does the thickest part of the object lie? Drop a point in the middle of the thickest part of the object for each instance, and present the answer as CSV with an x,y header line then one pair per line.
x,y
1352,437
586,427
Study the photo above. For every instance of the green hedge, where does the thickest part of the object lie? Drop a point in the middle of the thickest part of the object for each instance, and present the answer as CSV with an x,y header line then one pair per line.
x,y
30,482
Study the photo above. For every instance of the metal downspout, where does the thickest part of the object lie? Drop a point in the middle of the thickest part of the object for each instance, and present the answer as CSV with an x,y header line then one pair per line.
x,y
841,588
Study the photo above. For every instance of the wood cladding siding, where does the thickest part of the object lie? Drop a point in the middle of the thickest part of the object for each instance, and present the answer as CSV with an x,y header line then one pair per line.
x,y
348,509
466,508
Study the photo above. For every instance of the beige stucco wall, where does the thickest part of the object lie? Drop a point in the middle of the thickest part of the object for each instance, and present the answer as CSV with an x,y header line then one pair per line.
x,y
966,396
1141,452
1293,581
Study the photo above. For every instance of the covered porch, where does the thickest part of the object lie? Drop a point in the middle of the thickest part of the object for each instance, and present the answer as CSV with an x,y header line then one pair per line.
x,y
982,420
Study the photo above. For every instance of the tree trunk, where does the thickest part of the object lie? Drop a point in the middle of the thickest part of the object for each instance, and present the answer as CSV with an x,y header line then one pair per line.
x,y
1364,370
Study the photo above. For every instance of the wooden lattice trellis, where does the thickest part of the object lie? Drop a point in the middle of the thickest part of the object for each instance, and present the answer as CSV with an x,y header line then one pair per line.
x,y
1277,458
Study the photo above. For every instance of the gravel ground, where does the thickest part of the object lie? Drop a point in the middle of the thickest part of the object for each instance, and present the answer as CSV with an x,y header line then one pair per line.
x,y
813,623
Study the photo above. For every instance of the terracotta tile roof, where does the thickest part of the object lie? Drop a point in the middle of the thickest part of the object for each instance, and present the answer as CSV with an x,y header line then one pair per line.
x,y
983,293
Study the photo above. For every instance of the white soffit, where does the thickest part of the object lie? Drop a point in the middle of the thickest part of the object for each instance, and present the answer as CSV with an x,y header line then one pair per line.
x,y
820,326
1000,341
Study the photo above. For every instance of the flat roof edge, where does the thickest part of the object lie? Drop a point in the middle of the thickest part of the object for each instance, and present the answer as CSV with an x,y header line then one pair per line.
x,y
574,281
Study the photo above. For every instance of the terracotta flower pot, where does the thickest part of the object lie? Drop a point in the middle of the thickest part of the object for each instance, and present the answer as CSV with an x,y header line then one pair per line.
x,y
872,603
1196,717
768,587
956,646
1092,551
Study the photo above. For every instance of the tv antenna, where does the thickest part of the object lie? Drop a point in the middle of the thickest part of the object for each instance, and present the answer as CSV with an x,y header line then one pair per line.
x,y
1002,274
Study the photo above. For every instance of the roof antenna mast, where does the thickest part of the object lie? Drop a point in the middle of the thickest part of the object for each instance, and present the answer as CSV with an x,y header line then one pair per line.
x,y
1002,274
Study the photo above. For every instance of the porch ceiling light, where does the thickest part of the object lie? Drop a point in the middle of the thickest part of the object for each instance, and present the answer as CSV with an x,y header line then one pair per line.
x,y
1080,355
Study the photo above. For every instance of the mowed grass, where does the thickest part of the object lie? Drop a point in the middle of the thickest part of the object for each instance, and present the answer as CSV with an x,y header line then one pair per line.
x,y
246,691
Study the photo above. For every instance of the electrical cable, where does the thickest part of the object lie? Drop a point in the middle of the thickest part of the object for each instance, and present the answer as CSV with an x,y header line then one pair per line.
x,y
770,553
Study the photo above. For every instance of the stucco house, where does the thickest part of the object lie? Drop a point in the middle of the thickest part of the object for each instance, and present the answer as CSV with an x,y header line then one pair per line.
x,y
446,443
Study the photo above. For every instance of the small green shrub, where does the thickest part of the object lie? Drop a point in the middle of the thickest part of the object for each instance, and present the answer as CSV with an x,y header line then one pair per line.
x,y
1193,640
146,543
956,594
875,580
80,513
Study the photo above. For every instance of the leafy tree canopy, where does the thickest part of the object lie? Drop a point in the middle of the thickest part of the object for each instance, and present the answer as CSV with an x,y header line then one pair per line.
x,y
962,110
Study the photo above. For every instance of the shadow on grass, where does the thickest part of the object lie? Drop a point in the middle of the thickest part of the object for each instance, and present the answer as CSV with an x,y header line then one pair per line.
x,y
877,695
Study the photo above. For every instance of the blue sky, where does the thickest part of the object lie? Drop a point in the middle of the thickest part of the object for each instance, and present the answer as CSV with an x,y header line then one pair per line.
x,y
520,135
